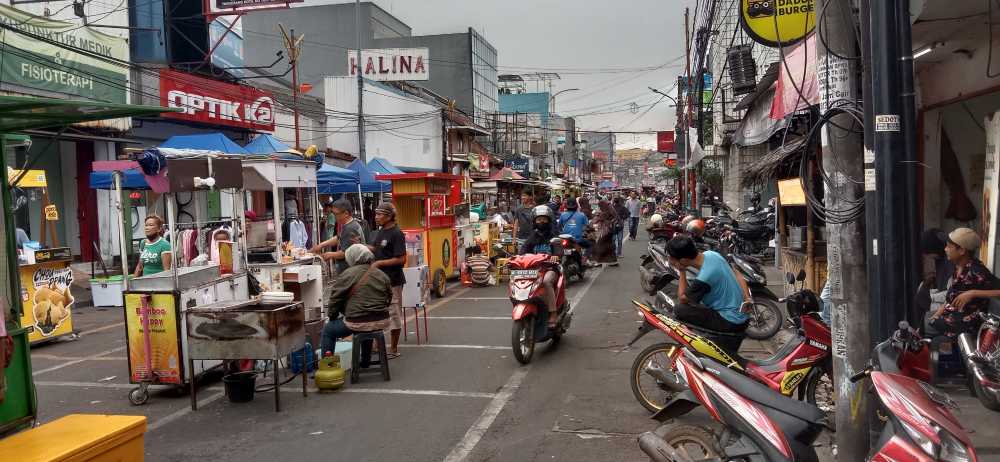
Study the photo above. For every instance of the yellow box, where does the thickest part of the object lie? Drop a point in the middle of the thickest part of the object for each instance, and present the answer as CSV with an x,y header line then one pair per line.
x,y
79,438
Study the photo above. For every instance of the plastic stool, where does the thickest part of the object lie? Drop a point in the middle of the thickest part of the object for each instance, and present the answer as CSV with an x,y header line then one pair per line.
x,y
357,340
416,319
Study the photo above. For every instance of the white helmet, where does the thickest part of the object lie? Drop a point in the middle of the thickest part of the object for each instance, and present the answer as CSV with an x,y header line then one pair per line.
x,y
656,219
543,210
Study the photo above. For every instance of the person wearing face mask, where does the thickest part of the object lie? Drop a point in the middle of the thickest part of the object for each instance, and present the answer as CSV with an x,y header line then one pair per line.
x,y
538,242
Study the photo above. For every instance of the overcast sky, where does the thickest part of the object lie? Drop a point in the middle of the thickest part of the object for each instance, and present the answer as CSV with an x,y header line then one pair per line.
x,y
572,37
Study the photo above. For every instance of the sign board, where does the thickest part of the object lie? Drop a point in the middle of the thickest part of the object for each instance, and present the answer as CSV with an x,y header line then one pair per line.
x,y
790,192
519,165
778,22
47,301
665,141
215,8
32,63
215,103
391,64
479,165
164,339
32,179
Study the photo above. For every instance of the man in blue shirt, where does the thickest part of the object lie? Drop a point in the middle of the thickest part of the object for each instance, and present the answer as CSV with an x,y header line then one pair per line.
x,y
574,223
718,287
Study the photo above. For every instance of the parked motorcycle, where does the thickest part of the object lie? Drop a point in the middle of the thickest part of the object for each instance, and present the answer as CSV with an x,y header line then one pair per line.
x,y
572,258
982,360
801,367
530,315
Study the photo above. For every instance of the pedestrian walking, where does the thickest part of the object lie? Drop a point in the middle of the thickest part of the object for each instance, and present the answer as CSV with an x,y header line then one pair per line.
x,y
524,218
584,206
389,246
605,223
634,206
623,215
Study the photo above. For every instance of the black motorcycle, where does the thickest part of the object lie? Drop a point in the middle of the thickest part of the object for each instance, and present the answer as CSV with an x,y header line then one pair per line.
x,y
572,258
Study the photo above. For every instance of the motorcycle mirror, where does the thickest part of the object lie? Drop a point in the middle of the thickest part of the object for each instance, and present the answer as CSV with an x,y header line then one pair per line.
x,y
555,241
790,278
801,276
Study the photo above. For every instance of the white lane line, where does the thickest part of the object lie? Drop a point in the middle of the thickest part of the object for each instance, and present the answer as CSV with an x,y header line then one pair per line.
x,y
102,329
185,411
114,386
458,347
74,358
485,318
485,420
475,433
77,361
482,298
390,391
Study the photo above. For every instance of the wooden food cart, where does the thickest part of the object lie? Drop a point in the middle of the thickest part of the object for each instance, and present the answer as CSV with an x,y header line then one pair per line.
x,y
425,211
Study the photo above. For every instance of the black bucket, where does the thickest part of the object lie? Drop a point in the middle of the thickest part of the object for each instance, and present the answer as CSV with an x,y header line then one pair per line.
x,y
240,386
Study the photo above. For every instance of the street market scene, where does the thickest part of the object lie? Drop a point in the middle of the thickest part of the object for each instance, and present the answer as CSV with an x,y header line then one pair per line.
x,y
352,230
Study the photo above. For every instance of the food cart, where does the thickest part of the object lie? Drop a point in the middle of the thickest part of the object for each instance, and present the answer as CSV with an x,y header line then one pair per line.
x,y
155,305
426,206
43,266
17,392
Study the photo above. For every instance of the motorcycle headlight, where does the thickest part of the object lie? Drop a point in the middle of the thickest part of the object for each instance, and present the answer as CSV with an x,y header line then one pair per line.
x,y
950,449
922,440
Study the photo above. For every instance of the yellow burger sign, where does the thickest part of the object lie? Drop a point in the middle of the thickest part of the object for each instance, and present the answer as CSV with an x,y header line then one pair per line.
x,y
778,22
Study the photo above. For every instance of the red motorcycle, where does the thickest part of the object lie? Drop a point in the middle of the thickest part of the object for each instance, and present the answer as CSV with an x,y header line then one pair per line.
x,y
530,313
761,425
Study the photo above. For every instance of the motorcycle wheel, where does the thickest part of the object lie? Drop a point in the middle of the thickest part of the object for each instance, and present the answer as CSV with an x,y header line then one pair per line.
x,y
523,339
819,392
693,443
573,269
765,320
646,388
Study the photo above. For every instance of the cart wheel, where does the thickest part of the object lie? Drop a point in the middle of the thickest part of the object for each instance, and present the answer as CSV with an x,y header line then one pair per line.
x,y
139,395
439,283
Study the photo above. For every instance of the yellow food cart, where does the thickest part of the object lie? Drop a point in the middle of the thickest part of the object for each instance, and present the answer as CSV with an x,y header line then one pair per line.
x,y
425,211
44,271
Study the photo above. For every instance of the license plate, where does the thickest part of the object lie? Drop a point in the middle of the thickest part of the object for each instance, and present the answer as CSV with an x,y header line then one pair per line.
x,y
523,274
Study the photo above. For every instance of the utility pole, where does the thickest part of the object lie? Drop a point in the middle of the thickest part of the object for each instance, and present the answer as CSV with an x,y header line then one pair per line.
x,y
293,45
846,259
687,103
361,86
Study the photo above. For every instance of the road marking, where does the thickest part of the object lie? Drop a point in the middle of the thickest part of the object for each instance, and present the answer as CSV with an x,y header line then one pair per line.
x,y
101,329
77,361
74,358
485,420
458,347
390,391
479,428
115,386
184,411
455,318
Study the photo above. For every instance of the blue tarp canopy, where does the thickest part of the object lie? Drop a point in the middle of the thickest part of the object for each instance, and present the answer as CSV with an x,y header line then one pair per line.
x,y
336,180
268,145
133,179
368,182
380,166
607,184
207,142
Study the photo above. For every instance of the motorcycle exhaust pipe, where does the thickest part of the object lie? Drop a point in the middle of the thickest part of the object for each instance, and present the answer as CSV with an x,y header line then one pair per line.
x,y
665,377
969,351
657,448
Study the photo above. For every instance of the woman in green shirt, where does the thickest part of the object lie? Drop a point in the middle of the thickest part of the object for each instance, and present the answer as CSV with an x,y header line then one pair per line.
x,y
156,255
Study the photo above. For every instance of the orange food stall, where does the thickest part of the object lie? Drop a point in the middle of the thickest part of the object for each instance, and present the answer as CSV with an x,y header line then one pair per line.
x,y
425,211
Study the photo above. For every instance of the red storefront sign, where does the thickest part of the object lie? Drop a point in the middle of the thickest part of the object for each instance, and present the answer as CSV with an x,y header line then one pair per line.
x,y
216,103
665,141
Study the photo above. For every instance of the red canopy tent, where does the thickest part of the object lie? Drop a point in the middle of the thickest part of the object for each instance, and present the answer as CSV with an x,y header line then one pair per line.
x,y
505,174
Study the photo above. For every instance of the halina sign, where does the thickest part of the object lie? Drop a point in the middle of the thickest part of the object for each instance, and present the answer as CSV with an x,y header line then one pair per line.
x,y
778,22
391,64
30,62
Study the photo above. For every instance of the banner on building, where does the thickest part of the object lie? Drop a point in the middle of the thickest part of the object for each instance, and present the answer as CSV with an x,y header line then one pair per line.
x,y
778,22
519,165
665,141
479,165
214,8
391,64
29,61
216,103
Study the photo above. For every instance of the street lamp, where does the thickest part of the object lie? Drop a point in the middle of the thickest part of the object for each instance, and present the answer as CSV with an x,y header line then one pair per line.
x,y
545,126
687,148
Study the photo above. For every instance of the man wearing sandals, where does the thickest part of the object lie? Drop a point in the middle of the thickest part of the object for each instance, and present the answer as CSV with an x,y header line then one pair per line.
x,y
389,246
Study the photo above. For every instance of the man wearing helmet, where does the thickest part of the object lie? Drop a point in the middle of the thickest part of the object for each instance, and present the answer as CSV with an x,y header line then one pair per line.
x,y
538,242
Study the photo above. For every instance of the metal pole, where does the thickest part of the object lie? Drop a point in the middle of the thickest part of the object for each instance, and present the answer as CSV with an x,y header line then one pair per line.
x,y
295,87
911,220
122,240
684,118
361,86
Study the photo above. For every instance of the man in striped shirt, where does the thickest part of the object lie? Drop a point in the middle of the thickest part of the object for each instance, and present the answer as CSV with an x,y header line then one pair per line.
x,y
478,266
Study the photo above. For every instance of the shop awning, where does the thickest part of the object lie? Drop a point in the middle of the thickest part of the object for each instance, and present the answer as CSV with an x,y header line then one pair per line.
x,y
757,126
269,145
505,174
336,180
133,179
764,169
380,166
206,142
19,113
368,182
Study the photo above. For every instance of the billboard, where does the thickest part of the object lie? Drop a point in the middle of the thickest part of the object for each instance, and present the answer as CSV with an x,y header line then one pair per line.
x,y
665,141
778,22
216,103
228,52
215,8
391,64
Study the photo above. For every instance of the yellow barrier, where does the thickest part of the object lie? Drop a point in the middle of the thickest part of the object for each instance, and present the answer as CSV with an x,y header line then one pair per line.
x,y
79,438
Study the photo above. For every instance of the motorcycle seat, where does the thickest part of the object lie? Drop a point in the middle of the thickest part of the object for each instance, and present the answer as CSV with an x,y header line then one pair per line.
x,y
761,394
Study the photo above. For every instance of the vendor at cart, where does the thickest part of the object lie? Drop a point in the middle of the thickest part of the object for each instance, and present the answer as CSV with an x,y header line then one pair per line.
x,y
156,255
350,233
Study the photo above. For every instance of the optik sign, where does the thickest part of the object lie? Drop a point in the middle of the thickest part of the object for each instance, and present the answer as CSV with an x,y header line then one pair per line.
x,y
216,103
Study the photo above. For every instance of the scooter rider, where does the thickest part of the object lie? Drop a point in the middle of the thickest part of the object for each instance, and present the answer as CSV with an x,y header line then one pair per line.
x,y
538,242
574,222
718,287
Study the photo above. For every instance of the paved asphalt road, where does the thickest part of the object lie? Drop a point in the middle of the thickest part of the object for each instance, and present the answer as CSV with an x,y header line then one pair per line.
x,y
462,397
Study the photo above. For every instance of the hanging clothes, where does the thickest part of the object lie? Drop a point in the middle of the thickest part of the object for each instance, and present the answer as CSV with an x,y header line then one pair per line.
x,y
297,234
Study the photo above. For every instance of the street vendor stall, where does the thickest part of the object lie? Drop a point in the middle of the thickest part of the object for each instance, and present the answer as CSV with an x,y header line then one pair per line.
x,y
426,212
17,392
43,266
800,240
206,260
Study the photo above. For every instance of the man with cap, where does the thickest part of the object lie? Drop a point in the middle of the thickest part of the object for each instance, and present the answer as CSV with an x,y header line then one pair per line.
x,y
350,233
389,246
971,287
